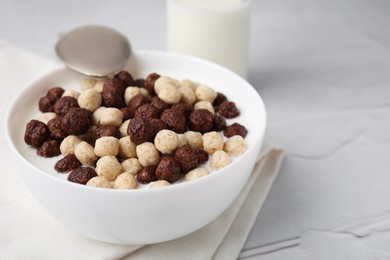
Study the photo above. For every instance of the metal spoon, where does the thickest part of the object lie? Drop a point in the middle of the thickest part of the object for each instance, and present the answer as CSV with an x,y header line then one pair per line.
x,y
94,50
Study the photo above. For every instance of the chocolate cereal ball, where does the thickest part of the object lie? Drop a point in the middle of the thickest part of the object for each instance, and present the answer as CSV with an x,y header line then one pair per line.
x,y
140,130
158,124
201,120
46,105
219,99
159,104
112,99
187,157
36,133
187,109
62,105
76,121
107,130
55,93
123,79
219,123
68,163
82,175
147,175
136,102
203,156
147,111
175,120
168,169
149,82
228,109
55,127
49,149
235,129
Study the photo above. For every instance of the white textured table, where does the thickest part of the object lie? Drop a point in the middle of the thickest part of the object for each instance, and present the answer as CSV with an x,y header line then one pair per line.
x,y
323,70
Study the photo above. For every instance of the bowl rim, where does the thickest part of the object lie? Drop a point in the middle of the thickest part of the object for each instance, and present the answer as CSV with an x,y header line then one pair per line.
x,y
170,188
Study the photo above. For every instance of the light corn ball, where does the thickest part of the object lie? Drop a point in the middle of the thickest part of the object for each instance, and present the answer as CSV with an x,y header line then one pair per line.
x,y
123,128
46,117
235,145
69,143
84,152
187,95
107,145
97,115
204,105
99,182
99,85
87,83
131,165
195,174
166,141
170,94
212,142
131,92
127,148
71,93
90,99
111,116
125,180
144,92
205,93
194,139
147,154
189,83
219,159
159,184
108,167
182,139
162,81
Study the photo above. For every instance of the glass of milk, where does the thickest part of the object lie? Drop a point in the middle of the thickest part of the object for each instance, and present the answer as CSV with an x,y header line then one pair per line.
x,y
216,30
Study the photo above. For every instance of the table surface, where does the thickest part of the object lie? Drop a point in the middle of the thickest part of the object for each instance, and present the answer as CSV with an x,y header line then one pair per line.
x,y
323,70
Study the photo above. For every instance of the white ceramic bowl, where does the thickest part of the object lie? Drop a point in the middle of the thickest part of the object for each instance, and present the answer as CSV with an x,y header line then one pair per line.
x,y
141,216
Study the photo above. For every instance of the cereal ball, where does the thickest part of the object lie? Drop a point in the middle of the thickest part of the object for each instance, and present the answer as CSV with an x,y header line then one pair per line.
x,y
111,86
168,169
55,93
126,148
203,156
84,152
90,99
175,120
158,124
131,92
228,109
76,121
90,135
107,130
190,84
201,120
62,105
169,94
99,182
204,105
69,143
112,99
205,93
147,111
68,163
159,184
82,175
182,139
166,141
187,157
127,113
161,82
125,181
99,85
187,109
106,145
144,92
147,154
108,167
136,102
46,105
235,145
212,142
123,79
219,99
131,165
71,93
187,95
147,174
36,133
55,128
219,123
140,83
46,117
87,83
149,82
195,174
111,116
97,115
140,130
194,139
219,159
235,129
123,128
159,104
49,149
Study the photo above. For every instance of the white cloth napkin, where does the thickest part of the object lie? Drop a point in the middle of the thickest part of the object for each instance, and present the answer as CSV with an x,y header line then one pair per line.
x,y
28,232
